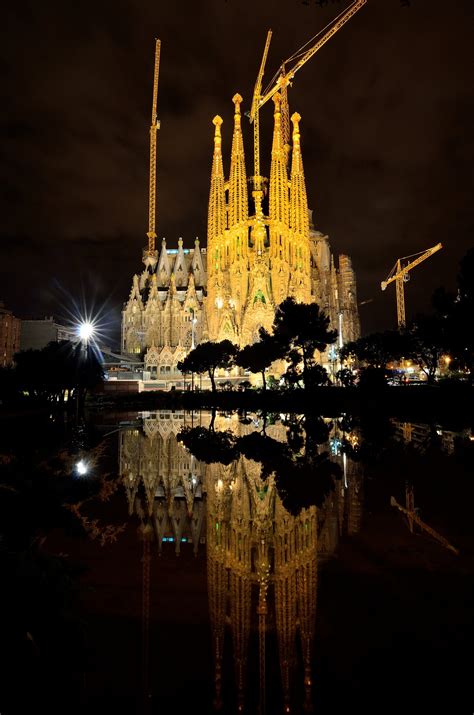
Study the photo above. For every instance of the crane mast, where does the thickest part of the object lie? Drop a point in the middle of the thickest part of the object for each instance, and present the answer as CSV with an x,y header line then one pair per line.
x,y
254,113
400,274
155,125
285,76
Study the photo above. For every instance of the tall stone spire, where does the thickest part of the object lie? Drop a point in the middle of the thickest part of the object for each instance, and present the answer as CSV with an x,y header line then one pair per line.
x,y
216,228
237,239
278,198
216,217
238,199
299,221
278,175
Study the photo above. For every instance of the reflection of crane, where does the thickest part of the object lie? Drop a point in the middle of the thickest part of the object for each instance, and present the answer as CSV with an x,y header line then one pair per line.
x,y
400,274
284,76
150,254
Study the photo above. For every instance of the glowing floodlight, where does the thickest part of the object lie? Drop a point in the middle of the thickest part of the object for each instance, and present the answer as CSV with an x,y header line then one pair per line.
x,y
86,331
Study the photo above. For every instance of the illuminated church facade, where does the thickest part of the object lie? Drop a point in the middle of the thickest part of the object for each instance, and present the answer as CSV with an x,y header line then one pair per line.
x,y
260,250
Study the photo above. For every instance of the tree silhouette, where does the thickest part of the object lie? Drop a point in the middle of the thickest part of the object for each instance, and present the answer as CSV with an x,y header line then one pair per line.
x,y
304,474
300,330
346,377
61,370
428,340
207,357
377,349
259,356
460,317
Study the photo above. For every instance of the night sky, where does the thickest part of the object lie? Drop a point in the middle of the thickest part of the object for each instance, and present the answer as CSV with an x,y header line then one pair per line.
x,y
387,117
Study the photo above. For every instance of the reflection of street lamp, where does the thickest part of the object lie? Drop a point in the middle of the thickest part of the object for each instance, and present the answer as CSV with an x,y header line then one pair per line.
x,y
82,468
333,357
340,342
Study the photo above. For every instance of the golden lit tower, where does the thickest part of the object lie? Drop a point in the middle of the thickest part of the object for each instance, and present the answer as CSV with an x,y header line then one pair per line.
x,y
238,198
279,210
217,210
254,258
238,217
300,286
255,262
216,225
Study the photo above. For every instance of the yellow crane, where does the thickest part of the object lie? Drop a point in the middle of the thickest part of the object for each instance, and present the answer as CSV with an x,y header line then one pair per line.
x,y
150,254
284,76
254,113
400,274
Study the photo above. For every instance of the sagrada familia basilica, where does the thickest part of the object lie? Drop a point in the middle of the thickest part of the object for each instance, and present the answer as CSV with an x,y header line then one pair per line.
x,y
260,250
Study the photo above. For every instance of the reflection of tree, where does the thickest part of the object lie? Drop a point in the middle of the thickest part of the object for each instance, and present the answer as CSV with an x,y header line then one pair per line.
x,y
304,473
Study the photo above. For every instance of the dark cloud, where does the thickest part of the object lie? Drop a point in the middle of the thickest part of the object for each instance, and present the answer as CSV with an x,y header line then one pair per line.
x,y
387,111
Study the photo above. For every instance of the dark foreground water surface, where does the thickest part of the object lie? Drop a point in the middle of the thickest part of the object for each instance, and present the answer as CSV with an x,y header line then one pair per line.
x,y
169,562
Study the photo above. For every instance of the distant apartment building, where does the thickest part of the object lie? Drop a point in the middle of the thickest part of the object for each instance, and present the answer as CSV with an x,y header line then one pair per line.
x,y
9,336
36,334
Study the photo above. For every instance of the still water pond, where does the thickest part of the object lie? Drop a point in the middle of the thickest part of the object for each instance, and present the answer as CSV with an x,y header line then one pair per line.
x,y
236,562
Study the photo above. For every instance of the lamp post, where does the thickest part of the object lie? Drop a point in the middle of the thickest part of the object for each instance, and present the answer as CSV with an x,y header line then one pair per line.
x,y
193,341
193,324
85,332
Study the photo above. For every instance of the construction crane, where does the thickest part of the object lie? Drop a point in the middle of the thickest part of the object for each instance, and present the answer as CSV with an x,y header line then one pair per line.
x,y
254,113
400,274
284,75
150,254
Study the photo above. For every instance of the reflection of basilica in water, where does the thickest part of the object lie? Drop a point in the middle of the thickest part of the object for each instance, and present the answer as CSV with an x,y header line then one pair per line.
x,y
262,562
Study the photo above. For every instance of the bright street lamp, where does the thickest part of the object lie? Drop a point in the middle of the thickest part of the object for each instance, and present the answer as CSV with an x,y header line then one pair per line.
x,y
86,331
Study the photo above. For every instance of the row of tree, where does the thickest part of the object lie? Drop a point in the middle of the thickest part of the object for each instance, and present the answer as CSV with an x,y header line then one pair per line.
x,y
298,331
447,331
304,472
60,372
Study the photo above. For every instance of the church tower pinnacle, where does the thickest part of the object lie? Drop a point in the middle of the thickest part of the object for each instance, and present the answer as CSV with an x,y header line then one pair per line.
x,y
278,210
238,199
299,221
216,228
216,217
238,217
